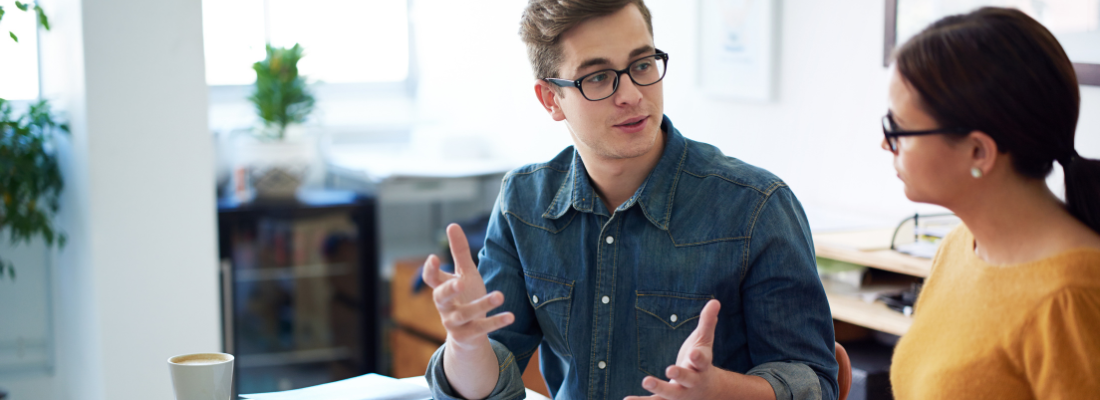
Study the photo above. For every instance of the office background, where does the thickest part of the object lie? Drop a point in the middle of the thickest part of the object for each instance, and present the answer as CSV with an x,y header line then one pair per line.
x,y
135,284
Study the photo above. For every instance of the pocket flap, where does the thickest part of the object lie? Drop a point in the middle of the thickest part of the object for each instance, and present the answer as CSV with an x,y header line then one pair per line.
x,y
543,290
673,309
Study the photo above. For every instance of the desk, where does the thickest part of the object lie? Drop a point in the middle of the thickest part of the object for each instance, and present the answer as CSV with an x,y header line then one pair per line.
x,y
419,380
866,248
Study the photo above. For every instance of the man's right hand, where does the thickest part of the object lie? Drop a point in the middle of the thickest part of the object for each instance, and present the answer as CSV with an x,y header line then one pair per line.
x,y
461,298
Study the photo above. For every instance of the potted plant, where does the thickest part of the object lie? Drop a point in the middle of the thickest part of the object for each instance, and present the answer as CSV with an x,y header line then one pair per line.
x,y
30,177
277,160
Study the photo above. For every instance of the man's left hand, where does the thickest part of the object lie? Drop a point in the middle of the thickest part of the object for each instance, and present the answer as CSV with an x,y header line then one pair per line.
x,y
693,376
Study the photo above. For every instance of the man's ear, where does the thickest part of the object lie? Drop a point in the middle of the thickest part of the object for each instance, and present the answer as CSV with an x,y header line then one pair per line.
x,y
983,151
549,98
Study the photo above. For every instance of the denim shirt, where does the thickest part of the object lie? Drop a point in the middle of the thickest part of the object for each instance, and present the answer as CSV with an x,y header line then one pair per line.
x,y
610,297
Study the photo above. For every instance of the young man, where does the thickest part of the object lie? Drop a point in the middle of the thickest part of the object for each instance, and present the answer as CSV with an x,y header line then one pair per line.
x,y
642,262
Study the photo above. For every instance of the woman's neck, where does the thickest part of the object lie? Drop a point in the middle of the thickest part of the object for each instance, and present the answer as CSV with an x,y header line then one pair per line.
x,y
1017,222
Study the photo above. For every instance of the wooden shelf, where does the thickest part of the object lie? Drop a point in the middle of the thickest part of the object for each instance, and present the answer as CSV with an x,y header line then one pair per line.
x,y
875,315
838,246
869,248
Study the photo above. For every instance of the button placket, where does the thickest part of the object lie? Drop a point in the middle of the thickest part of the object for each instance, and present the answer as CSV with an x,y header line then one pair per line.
x,y
603,322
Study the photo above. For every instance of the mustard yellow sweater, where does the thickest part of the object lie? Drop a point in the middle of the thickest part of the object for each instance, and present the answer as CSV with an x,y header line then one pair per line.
x,y
1027,331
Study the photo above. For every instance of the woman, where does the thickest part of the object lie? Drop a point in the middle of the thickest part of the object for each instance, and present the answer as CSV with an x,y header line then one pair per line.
x,y
981,106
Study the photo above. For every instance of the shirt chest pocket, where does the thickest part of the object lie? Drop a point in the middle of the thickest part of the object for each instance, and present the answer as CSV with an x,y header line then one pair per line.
x,y
664,321
551,298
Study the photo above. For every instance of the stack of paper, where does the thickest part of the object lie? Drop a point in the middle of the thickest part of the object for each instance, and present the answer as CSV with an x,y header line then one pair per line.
x,y
365,387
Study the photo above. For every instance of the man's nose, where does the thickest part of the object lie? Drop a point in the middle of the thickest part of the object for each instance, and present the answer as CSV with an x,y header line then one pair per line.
x,y
628,92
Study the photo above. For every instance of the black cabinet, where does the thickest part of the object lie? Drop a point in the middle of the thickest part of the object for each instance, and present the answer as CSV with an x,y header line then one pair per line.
x,y
299,289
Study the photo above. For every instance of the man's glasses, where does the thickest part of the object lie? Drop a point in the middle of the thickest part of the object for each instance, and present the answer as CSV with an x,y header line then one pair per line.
x,y
602,84
892,133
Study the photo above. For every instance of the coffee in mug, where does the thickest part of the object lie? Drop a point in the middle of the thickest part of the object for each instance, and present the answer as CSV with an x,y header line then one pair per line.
x,y
202,376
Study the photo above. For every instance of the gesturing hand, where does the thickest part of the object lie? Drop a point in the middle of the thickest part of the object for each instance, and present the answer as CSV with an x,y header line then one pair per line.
x,y
460,297
693,376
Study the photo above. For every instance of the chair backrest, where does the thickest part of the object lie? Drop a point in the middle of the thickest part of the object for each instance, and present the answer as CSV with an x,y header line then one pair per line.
x,y
844,374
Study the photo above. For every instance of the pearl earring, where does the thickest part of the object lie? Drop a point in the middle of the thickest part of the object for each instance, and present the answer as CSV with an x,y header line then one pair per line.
x,y
975,172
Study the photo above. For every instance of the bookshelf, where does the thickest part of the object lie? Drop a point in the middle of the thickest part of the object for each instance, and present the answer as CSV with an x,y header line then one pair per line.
x,y
299,289
869,248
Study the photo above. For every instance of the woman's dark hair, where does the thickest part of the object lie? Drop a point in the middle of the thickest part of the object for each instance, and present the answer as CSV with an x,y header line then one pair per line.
x,y
1001,72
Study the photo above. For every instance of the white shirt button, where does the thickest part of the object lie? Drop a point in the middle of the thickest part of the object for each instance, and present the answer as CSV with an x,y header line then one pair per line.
x,y
610,240
535,299
673,318
602,365
606,299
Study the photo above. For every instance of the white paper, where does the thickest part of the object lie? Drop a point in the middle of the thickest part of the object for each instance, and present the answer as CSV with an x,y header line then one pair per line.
x,y
365,387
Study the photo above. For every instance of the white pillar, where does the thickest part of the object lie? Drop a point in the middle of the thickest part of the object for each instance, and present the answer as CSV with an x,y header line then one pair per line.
x,y
137,282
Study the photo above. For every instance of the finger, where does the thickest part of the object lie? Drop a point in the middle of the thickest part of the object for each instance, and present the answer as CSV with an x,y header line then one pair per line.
x,y
700,358
664,389
464,313
707,321
445,294
487,325
685,377
642,398
431,273
460,250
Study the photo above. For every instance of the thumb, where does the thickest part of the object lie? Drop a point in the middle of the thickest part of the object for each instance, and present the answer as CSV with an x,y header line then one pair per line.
x,y
708,319
460,250
701,353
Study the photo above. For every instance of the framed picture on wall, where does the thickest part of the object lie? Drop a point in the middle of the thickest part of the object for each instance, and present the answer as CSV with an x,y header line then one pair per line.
x,y
1075,23
737,48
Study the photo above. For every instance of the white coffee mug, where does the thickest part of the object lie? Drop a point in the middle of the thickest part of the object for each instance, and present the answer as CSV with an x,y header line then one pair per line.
x,y
202,376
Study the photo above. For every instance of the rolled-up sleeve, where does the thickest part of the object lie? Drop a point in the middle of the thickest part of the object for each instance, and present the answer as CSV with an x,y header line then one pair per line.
x,y
509,384
500,267
790,336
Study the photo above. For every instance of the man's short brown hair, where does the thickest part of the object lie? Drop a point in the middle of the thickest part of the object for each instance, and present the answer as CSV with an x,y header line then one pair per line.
x,y
544,21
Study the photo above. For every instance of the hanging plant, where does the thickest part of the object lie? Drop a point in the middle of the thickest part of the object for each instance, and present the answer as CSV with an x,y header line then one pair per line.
x,y
30,178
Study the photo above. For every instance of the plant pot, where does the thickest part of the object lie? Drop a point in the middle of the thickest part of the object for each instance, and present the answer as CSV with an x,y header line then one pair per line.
x,y
272,169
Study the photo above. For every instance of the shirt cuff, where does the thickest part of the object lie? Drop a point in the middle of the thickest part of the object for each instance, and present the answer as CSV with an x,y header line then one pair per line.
x,y
509,382
790,380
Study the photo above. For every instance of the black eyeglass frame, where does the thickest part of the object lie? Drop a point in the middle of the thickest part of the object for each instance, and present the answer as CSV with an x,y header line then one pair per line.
x,y
662,56
892,134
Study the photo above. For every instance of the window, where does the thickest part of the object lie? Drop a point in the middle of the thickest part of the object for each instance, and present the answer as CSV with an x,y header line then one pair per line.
x,y
19,69
345,41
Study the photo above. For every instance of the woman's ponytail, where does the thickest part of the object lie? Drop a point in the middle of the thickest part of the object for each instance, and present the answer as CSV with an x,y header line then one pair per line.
x,y
1083,189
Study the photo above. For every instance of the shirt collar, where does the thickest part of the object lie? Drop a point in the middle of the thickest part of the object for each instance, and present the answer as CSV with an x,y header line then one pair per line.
x,y
654,196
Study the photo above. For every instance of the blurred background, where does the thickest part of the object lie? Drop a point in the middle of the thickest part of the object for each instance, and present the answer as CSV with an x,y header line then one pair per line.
x,y
275,203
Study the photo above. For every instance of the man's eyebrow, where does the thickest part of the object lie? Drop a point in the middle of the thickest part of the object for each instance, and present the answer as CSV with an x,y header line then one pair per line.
x,y
642,50
592,62
603,61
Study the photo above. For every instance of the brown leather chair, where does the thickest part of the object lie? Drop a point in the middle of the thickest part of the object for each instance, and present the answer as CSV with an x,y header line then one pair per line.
x,y
844,374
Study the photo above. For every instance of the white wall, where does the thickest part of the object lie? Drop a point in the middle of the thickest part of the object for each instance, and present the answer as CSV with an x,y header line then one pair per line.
x,y
138,281
821,134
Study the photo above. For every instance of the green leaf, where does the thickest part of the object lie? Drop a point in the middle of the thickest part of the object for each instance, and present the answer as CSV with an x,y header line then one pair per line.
x,y
21,6
42,20
1,13
13,37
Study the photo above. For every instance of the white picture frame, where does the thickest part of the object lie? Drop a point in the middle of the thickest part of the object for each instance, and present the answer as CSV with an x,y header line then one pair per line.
x,y
737,55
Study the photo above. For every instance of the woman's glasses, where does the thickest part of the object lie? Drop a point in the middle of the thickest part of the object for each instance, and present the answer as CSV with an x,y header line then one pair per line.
x,y
892,133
